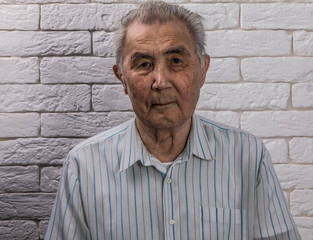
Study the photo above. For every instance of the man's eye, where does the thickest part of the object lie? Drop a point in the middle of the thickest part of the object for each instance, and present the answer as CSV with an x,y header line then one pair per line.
x,y
145,65
176,61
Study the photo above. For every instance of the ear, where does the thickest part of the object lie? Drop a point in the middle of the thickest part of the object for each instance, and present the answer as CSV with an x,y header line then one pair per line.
x,y
205,67
119,76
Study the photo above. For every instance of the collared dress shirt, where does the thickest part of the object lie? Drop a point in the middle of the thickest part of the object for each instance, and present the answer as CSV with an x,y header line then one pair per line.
x,y
222,186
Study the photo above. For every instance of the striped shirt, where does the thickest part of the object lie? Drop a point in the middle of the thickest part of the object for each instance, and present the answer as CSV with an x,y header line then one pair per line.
x,y
222,186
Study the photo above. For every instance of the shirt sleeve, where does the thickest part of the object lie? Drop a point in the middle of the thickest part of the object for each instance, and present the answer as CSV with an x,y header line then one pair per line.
x,y
273,219
67,220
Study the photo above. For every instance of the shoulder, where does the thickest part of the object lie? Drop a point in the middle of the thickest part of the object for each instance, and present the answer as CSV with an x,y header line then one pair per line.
x,y
218,125
103,136
218,129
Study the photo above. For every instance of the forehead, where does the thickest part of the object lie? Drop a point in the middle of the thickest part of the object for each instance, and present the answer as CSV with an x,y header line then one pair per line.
x,y
158,37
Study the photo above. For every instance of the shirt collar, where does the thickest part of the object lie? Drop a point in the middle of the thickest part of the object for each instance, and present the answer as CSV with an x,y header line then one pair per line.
x,y
200,145
129,152
134,150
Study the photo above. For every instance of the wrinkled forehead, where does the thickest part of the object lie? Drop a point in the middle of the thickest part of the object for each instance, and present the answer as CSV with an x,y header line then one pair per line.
x,y
157,34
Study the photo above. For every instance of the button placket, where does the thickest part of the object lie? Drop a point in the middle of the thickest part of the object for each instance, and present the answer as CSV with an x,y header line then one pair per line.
x,y
171,223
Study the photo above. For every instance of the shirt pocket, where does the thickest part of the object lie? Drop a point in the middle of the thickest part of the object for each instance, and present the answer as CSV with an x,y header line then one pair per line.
x,y
221,223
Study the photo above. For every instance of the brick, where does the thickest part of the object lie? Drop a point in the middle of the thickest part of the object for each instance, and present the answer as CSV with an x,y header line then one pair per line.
x,y
26,205
19,179
277,16
27,43
295,176
19,125
50,177
244,96
83,16
80,124
223,70
110,98
225,117
209,1
77,70
228,43
305,227
217,16
302,94
19,70
301,150
19,17
278,69
135,1
301,203
39,151
278,149
43,225
104,44
303,43
278,123
43,1
15,98
18,230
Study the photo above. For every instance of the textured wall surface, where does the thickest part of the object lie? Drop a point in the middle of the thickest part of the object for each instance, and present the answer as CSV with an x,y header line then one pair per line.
x,y
57,88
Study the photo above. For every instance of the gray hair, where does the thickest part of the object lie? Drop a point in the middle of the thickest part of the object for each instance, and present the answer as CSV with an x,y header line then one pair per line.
x,y
159,11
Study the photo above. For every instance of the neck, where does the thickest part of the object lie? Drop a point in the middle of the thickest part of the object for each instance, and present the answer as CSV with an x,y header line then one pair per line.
x,y
164,144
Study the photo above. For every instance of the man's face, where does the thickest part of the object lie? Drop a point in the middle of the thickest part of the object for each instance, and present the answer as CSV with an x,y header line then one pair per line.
x,y
162,73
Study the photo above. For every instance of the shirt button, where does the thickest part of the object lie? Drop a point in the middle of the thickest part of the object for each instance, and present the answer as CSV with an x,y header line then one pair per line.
x,y
169,180
171,221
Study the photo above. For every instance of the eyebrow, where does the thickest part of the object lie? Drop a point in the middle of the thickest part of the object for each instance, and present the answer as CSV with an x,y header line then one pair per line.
x,y
138,55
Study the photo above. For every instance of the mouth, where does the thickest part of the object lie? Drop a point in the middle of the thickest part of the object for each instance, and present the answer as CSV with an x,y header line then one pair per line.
x,y
162,105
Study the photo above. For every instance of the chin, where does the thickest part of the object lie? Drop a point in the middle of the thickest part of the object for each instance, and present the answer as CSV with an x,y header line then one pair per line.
x,y
166,122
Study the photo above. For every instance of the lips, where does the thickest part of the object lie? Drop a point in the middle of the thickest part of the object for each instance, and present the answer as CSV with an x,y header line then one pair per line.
x,y
162,101
162,104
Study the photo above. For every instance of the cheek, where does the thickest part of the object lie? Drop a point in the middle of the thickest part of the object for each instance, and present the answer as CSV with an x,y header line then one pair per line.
x,y
133,94
137,92
191,89
189,96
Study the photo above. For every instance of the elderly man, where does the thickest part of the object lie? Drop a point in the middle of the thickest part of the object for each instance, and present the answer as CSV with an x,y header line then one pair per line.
x,y
168,173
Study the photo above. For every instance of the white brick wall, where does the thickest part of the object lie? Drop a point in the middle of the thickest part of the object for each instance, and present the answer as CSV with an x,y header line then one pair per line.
x,y
57,88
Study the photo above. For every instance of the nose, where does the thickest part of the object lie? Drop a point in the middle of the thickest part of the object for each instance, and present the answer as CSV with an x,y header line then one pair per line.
x,y
161,79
